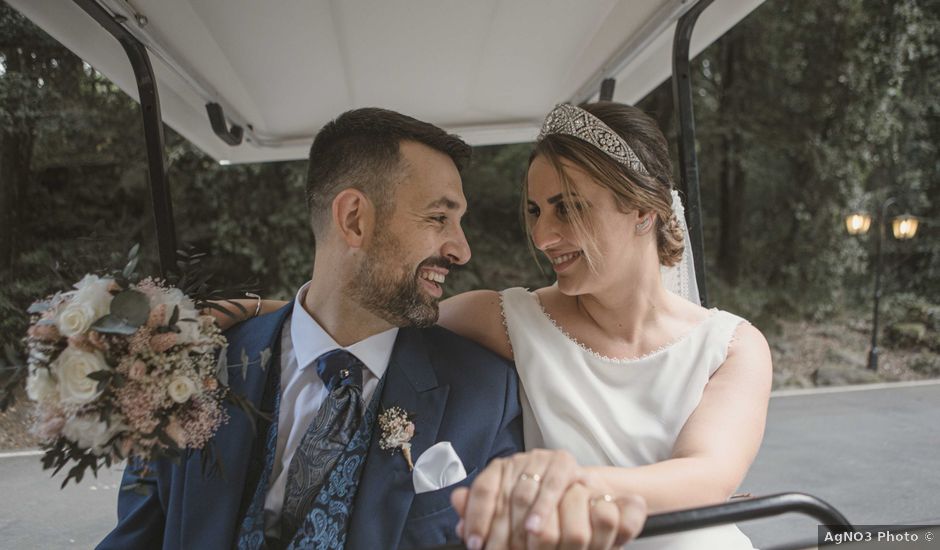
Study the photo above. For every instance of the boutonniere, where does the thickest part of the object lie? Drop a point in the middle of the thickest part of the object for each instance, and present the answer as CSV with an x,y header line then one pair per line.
x,y
397,430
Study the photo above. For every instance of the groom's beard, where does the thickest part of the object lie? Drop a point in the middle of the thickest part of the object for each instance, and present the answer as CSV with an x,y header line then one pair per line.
x,y
388,292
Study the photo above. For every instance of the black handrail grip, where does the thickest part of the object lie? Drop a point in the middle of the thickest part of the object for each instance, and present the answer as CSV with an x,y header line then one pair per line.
x,y
231,136
743,510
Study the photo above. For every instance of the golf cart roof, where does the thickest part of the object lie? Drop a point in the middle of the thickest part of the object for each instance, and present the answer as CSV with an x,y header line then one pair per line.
x,y
488,70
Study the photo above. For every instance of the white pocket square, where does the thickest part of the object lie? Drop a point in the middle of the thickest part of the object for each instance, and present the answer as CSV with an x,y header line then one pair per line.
x,y
437,467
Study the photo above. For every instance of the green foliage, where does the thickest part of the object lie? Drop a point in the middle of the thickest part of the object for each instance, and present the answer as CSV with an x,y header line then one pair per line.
x,y
805,110
827,107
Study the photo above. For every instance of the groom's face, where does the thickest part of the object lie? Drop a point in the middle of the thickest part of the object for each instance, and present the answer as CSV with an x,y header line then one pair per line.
x,y
417,243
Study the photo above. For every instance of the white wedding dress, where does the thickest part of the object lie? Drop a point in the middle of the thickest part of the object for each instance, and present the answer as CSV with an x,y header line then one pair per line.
x,y
615,412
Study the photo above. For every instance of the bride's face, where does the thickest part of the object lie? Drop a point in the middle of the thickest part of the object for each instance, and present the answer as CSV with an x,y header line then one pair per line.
x,y
548,215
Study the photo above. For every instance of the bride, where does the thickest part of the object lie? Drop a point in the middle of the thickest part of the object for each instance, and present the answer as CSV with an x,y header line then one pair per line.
x,y
634,388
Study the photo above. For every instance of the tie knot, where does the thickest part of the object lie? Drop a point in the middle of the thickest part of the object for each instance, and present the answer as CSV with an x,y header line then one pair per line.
x,y
339,368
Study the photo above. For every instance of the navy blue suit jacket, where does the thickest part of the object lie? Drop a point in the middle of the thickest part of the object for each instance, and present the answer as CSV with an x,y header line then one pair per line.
x,y
458,392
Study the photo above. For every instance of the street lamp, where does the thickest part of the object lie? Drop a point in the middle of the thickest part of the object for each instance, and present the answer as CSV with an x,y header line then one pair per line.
x,y
903,227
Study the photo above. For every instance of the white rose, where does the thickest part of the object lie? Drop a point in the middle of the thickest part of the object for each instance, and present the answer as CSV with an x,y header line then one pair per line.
x,y
89,303
90,433
40,387
75,319
72,368
181,389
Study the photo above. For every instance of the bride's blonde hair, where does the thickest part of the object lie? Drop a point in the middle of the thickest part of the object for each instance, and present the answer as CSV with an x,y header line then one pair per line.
x,y
632,190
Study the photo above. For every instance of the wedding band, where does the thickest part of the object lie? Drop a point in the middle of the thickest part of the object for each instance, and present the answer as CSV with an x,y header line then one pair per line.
x,y
534,477
604,498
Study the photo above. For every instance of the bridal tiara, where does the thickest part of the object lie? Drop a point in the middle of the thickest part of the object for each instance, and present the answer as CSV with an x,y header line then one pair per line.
x,y
570,120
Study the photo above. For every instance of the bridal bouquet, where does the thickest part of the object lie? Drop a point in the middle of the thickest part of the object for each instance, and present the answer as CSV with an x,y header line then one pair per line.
x,y
123,369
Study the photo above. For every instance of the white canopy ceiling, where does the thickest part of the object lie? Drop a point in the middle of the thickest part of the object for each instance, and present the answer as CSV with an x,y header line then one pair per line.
x,y
488,70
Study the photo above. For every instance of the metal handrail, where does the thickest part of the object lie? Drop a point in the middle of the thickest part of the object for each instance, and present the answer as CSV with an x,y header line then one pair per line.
x,y
743,510
734,512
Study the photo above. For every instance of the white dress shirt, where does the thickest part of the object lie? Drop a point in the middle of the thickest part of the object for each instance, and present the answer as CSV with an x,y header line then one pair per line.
x,y
302,390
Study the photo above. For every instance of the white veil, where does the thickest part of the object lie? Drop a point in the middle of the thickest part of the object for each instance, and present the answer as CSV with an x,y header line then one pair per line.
x,y
680,278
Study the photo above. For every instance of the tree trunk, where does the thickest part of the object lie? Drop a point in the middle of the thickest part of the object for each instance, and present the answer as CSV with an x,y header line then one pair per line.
x,y
16,146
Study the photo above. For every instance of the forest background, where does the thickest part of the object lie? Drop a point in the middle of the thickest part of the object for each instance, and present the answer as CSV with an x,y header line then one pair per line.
x,y
805,111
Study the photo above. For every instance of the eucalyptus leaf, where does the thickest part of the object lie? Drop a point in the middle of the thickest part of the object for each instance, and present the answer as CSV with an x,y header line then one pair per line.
x,y
132,306
111,324
134,252
130,267
39,307
101,375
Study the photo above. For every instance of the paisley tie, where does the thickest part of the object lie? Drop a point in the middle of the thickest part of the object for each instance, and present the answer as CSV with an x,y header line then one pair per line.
x,y
326,438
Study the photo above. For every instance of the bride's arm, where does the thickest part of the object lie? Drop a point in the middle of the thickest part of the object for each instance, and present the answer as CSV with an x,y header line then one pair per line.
x,y
238,314
719,440
710,458
477,315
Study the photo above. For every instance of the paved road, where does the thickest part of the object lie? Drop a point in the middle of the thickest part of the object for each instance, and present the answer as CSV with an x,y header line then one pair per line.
x,y
874,454
35,513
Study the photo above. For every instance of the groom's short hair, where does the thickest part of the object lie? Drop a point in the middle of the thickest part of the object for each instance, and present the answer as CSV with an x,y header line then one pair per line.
x,y
359,149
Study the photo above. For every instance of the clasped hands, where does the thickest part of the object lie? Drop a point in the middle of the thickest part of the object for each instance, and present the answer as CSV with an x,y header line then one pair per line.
x,y
544,499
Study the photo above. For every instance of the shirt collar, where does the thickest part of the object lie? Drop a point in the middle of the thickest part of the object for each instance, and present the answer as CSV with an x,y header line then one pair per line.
x,y
310,341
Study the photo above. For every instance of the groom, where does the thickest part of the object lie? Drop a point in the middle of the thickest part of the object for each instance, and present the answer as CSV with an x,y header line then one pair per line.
x,y
356,345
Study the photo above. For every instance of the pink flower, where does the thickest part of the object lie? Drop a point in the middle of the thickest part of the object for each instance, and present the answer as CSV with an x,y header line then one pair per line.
x,y
79,341
97,340
157,316
176,433
46,333
160,343
49,426
138,370
210,384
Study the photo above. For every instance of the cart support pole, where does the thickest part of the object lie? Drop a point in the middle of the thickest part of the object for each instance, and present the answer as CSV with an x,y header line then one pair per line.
x,y
607,89
153,130
688,162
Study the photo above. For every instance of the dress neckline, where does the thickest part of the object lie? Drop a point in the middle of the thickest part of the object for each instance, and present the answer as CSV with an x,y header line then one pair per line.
x,y
712,313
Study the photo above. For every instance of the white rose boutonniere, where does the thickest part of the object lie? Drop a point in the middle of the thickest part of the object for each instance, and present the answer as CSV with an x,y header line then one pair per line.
x,y
397,430
72,368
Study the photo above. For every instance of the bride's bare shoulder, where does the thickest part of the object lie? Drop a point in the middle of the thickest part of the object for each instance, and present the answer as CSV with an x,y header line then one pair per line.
x,y
477,315
690,312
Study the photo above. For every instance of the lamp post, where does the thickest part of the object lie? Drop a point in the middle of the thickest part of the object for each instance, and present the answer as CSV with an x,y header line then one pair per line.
x,y
903,227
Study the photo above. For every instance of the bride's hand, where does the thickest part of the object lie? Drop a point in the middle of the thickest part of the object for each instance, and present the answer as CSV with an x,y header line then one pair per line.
x,y
522,492
572,509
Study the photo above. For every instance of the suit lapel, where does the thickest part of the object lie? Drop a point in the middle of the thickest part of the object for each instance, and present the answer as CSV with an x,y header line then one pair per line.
x,y
217,525
385,488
